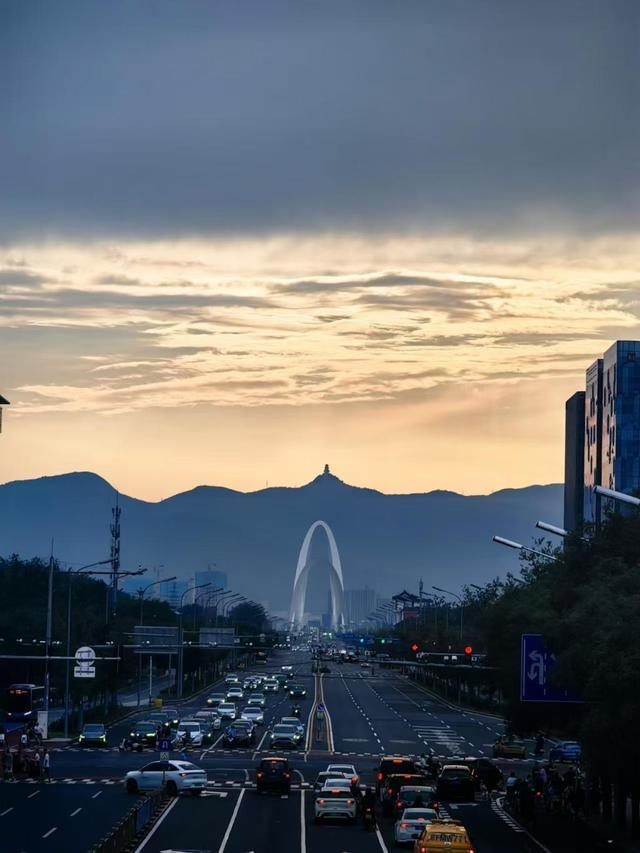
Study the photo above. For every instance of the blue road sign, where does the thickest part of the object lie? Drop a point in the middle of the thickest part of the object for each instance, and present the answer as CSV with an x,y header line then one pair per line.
x,y
164,745
535,664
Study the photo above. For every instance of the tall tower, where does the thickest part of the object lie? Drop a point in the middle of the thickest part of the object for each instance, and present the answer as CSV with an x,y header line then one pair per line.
x,y
115,553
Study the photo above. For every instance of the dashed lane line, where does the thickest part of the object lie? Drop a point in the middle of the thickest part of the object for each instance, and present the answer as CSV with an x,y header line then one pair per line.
x,y
50,832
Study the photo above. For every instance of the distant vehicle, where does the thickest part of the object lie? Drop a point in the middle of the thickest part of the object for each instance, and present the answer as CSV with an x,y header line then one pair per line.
x,y
283,735
286,668
393,764
293,721
215,699
409,795
144,732
509,747
231,679
485,771
93,734
227,711
234,693
347,770
175,776
411,824
273,774
365,665
297,691
335,802
172,715
281,678
271,686
24,701
253,713
566,751
256,699
337,781
208,719
322,778
392,784
455,782
261,657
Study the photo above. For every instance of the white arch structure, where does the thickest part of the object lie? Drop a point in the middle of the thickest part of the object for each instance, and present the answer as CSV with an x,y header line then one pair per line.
x,y
336,583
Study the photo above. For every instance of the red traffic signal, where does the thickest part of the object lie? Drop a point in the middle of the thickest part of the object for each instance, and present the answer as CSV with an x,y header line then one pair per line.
x,y
414,647
468,650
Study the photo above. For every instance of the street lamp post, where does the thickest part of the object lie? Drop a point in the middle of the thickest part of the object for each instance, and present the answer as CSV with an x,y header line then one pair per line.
x,y
616,496
181,638
509,543
220,602
455,595
141,594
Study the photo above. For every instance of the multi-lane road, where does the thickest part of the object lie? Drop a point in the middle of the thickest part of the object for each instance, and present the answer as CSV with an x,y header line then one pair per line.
x,y
368,715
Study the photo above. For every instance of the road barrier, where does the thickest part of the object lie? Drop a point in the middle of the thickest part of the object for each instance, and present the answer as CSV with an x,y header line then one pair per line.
x,y
129,829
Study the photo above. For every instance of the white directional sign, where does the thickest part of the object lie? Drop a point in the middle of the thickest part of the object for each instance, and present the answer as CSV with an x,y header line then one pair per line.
x,y
85,658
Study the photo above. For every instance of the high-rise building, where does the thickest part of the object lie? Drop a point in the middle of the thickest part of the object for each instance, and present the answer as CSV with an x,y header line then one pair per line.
x,y
218,580
172,592
574,431
609,432
358,604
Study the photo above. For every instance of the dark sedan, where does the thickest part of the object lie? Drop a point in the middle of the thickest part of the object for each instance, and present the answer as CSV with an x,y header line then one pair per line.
x,y
240,733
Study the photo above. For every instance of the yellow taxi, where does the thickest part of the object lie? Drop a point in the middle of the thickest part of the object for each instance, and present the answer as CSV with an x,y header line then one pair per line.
x,y
443,835
509,747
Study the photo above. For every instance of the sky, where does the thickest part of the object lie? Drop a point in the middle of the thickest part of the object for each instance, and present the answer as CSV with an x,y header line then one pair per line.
x,y
240,240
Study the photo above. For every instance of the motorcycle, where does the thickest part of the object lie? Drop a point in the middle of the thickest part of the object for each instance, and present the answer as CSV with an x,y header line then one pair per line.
x,y
296,711
369,818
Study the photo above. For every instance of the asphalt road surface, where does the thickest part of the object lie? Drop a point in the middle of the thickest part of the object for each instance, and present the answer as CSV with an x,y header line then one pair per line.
x,y
367,715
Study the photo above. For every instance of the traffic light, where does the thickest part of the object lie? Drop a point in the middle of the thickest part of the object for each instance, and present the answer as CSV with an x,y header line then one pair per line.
x,y
414,647
468,650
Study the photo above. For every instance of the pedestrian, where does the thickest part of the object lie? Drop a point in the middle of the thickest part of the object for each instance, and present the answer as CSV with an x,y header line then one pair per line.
x,y
7,764
45,763
24,739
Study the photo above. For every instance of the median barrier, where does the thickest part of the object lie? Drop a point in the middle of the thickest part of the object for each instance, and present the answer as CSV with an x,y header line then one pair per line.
x,y
128,831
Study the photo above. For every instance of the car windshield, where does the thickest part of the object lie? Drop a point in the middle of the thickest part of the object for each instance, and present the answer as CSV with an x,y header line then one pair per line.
x,y
145,728
186,765
284,730
190,727
454,772
273,764
97,729
419,814
338,793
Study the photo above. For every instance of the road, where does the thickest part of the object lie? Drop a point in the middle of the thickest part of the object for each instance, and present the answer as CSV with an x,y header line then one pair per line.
x,y
367,715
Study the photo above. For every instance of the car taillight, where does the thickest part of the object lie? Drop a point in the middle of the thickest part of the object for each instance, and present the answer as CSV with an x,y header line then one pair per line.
x,y
399,805
321,802
389,791
423,850
349,802
260,774
286,775
404,826
379,777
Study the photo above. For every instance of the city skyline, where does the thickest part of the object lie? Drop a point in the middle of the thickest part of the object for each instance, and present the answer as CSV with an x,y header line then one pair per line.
x,y
402,261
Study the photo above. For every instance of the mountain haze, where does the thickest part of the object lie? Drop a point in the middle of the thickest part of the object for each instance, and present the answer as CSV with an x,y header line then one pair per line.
x,y
385,541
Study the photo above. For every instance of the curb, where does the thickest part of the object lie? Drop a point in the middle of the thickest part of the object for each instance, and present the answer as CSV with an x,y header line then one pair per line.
x,y
453,705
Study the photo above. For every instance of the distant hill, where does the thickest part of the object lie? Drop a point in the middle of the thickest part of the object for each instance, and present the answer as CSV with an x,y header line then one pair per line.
x,y
385,541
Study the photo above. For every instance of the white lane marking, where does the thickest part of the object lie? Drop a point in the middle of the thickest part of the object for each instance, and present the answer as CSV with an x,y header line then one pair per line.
x,y
6,811
50,832
97,794
35,794
303,826
259,747
73,814
164,814
383,846
231,822
209,748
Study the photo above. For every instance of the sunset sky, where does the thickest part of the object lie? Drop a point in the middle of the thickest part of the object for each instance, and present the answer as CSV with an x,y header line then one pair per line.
x,y
242,239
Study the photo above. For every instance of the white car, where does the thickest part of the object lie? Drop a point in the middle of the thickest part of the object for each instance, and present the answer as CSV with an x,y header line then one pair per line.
x,y
232,678
293,721
344,770
254,714
412,823
210,718
270,686
175,776
227,711
286,668
235,693
256,699
341,782
189,730
335,802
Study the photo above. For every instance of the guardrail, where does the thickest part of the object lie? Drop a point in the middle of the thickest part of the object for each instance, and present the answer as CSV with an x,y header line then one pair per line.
x,y
129,829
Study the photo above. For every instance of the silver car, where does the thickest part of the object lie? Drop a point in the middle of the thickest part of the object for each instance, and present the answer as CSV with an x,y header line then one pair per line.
x,y
256,699
175,776
227,711
253,714
412,823
283,735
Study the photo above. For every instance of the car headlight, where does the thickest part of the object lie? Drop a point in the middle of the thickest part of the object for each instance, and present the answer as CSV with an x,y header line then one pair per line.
x,y
81,737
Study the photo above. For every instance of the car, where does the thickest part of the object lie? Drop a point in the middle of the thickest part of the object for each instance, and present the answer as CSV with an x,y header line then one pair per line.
x,y
335,802
172,716
411,824
293,721
347,770
416,796
509,747
174,776
216,699
239,734
393,764
210,723
231,679
341,782
443,835
455,782
281,678
257,700
248,683
234,693
566,751
227,711
286,668
93,734
144,732
283,735
189,731
365,665
322,778
254,714
486,772
392,785
270,686
273,774
297,691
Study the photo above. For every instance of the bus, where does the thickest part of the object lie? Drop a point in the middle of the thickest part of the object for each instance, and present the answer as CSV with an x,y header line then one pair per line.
x,y
24,701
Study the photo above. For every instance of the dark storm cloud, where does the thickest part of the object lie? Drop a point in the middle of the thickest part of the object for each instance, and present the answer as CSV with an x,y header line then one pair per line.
x,y
164,118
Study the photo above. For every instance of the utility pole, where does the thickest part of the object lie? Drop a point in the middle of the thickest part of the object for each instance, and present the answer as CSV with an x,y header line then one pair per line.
x,y
115,554
48,636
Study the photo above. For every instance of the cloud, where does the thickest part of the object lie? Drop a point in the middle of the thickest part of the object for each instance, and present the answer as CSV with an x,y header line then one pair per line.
x,y
269,117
